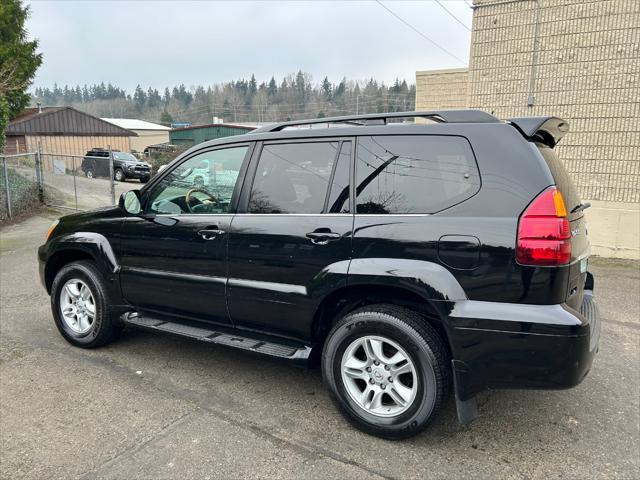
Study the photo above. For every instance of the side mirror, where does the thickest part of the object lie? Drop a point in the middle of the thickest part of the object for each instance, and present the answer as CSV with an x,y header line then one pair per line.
x,y
130,202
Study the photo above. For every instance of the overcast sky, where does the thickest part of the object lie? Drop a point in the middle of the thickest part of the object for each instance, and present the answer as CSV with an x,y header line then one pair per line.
x,y
166,43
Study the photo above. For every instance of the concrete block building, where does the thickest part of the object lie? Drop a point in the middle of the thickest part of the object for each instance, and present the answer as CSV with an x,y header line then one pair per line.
x,y
576,59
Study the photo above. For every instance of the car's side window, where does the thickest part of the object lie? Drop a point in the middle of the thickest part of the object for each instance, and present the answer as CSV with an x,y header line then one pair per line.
x,y
338,199
295,178
202,185
401,174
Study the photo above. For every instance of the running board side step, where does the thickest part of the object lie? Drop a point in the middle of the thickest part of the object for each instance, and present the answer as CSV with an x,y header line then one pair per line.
x,y
296,353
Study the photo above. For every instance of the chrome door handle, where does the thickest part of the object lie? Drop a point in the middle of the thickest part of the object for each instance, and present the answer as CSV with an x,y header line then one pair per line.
x,y
210,234
322,237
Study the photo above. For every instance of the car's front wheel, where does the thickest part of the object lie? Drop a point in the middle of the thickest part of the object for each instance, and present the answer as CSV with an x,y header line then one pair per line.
x,y
90,174
79,301
387,370
118,175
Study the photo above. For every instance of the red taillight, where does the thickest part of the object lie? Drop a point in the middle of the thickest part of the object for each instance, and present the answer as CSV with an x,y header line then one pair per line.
x,y
544,236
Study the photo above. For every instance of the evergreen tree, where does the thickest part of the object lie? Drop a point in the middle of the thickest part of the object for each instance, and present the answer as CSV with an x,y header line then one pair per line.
x,y
253,86
272,89
154,100
326,88
19,59
165,118
139,98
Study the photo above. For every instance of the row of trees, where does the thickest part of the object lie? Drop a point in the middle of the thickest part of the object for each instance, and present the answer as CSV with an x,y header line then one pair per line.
x,y
295,96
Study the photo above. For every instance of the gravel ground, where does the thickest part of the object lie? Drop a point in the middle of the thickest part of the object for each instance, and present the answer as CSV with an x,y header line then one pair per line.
x,y
152,406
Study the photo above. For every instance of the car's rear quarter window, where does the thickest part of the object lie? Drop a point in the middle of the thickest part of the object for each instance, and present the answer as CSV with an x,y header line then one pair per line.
x,y
413,174
561,177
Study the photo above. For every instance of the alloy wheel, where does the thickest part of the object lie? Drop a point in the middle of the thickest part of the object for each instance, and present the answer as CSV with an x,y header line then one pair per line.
x,y
77,306
379,376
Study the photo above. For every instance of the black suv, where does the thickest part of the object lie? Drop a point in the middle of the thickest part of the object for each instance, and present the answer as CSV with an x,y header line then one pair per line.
x,y
96,164
406,260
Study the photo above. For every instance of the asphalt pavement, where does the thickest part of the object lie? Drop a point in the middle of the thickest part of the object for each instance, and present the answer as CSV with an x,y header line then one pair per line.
x,y
154,406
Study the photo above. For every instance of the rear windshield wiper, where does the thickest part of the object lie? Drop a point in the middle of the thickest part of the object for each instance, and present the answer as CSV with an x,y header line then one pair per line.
x,y
581,207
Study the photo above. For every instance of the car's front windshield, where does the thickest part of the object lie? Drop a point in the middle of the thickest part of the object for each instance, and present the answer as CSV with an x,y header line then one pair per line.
x,y
127,157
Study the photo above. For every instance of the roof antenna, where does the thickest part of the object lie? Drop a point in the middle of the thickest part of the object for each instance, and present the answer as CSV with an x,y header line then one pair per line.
x,y
39,107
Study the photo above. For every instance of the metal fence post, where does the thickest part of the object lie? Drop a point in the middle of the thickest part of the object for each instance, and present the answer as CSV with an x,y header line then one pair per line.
x,y
111,179
75,187
41,168
39,180
6,185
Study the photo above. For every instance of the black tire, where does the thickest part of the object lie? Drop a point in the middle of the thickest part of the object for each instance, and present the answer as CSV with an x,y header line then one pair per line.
x,y
103,328
89,173
118,175
145,179
423,345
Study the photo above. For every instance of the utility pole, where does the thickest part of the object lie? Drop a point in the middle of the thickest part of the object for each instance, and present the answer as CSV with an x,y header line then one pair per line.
x,y
111,181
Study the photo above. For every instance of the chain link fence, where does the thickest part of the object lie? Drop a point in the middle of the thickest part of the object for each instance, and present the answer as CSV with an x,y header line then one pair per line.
x,y
74,182
78,182
20,185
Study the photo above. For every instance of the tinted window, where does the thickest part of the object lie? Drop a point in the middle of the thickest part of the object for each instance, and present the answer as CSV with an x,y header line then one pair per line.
x,y
560,175
202,184
413,173
338,201
293,178
124,156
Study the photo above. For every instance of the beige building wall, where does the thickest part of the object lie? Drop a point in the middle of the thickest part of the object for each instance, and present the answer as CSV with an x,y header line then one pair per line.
x,y
148,137
442,89
579,60
72,145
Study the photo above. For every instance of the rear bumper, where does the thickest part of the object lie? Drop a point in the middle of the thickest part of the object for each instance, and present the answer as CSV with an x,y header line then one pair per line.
x,y
497,345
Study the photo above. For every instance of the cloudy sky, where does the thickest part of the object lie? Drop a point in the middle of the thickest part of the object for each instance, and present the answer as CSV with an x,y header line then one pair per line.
x,y
164,43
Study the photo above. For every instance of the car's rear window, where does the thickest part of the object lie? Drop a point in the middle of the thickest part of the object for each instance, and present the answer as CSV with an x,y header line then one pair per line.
x,y
413,174
561,177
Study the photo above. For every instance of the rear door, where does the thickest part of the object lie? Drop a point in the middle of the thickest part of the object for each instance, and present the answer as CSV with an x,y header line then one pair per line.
x,y
292,240
580,247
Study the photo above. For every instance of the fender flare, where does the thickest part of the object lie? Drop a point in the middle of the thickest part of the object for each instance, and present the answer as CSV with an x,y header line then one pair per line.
x,y
90,243
427,279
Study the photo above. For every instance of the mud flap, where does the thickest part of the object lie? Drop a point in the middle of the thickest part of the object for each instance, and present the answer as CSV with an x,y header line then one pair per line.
x,y
468,408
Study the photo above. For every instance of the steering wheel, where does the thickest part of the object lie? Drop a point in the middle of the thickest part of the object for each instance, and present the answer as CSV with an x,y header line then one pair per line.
x,y
189,195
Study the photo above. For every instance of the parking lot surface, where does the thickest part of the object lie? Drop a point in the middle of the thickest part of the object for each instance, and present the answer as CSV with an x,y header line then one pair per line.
x,y
152,406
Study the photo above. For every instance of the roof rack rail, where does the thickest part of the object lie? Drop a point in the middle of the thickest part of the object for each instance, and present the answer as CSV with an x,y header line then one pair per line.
x,y
441,116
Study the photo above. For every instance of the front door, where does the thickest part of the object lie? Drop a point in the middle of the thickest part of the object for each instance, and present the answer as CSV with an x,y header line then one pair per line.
x,y
292,239
173,256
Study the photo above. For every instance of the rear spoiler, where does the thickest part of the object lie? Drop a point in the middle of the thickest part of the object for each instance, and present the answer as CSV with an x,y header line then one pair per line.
x,y
547,130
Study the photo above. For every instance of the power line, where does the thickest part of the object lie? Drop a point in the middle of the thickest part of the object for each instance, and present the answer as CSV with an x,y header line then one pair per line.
x,y
419,32
452,15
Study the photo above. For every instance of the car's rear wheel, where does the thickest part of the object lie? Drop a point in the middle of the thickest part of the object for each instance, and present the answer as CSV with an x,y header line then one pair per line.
x,y
79,301
387,370
118,175
90,173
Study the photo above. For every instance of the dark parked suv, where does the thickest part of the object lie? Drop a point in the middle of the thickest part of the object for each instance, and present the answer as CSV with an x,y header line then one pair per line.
x,y
407,260
96,164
